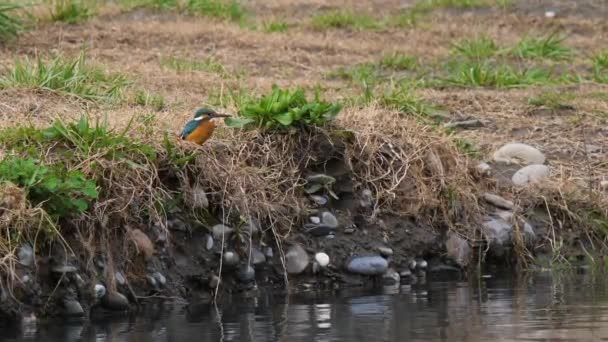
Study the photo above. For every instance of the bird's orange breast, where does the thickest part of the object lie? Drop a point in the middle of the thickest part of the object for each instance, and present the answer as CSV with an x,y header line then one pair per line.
x,y
202,132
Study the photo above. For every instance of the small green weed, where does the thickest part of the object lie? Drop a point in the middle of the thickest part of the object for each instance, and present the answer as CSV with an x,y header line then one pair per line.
x,y
504,76
72,11
398,61
145,98
600,67
209,64
345,20
476,49
466,147
549,47
365,73
10,24
153,4
283,109
224,9
275,26
71,77
403,98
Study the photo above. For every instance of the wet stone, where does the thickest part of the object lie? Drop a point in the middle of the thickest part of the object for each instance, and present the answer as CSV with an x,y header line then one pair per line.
x,y
160,278
412,265
319,230
100,291
349,230
152,281
421,265
530,174
214,281
368,265
73,308
319,200
246,274
257,257
391,277
26,256
120,278
230,259
315,220
209,242
296,259
385,251
322,259
220,230
115,301
405,274
329,219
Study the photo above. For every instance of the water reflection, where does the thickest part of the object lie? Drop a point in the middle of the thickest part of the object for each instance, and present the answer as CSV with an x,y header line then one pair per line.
x,y
536,308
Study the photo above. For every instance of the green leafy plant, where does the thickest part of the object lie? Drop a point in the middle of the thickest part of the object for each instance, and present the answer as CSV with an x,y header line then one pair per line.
x,y
600,67
72,11
503,76
154,4
398,61
65,76
285,108
479,48
402,97
61,192
275,26
223,9
10,25
549,47
145,98
345,19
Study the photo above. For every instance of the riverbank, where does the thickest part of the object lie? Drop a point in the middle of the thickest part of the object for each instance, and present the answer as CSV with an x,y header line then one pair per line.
x,y
398,161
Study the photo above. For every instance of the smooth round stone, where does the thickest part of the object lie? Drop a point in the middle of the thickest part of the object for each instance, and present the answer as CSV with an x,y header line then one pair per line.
x,y
160,278
73,308
257,257
385,251
120,278
220,230
530,174
405,274
329,219
320,200
296,259
368,265
214,282
391,277
63,269
322,259
246,273
412,265
100,290
209,242
269,253
115,301
422,264
315,219
26,256
518,153
152,281
230,258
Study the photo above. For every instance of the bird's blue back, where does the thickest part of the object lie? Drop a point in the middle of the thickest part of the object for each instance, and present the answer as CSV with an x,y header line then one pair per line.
x,y
190,127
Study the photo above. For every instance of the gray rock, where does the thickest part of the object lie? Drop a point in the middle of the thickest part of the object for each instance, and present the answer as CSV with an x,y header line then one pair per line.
x,y
498,201
230,259
152,281
497,230
296,259
246,273
160,278
484,168
366,198
458,249
531,174
26,255
73,308
269,253
322,259
63,269
464,124
319,200
115,301
220,230
385,251
391,277
421,264
405,274
257,257
349,230
329,219
100,291
319,230
209,243
368,265
517,153
214,281
442,268
315,219
120,278
412,265
321,179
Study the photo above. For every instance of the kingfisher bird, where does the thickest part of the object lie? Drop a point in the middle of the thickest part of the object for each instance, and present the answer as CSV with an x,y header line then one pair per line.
x,y
200,129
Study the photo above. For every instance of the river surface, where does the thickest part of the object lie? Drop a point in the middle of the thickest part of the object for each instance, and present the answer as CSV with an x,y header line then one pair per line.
x,y
539,307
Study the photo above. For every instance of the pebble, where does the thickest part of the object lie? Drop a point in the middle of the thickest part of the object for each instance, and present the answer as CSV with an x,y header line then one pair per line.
x,y
246,273
296,259
152,281
100,291
322,259
484,168
329,219
177,225
73,307
349,230
385,251
269,253
464,124
209,243
220,230
320,200
199,197
366,198
321,179
120,278
230,259
412,265
315,219
405,274
115,301
498,230
549,14
498,201
63,269
26,255
214,282
257,257
160,278
391,277
368,265
530,174
458,249
518,153
422,264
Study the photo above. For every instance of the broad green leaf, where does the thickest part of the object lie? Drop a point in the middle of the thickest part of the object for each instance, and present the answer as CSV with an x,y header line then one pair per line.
x,y
238,122
285,119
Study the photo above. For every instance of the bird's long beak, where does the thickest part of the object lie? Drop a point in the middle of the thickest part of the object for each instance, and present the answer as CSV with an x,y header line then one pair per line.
x,y
220,115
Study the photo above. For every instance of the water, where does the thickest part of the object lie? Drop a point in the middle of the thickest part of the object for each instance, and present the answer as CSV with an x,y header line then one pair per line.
x,y
542,307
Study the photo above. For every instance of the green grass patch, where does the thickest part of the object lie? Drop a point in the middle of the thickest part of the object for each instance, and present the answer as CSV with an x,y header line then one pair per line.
x,y
402,96
476,49
230,10
66,76
398,61
284,108
145,98
485,74
343,19
600,67
10,23
208,64
549,47
275,26
72,11
153,4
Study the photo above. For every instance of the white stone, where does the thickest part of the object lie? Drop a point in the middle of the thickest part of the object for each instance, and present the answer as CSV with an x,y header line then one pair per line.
x,y
518,153
550,14
531,174
329,219
315,220
220,230
296,259
100,290
498,201
322,259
